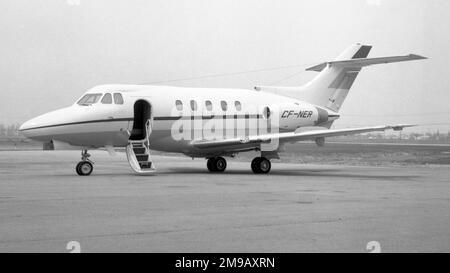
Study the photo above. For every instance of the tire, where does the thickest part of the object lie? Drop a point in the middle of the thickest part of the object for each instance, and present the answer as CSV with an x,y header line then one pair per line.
x,y
220,164
84,168
264,165
77,168
255,165
210,164
261,165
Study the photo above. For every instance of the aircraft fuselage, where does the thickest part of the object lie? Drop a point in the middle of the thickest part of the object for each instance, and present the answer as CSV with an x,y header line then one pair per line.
x,y
204,114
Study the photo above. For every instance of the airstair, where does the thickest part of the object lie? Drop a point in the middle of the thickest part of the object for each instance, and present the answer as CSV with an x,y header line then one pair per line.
x,y
138,153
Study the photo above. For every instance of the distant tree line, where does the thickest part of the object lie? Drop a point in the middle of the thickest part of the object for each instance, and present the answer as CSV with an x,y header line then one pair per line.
x,y
9,130
411,137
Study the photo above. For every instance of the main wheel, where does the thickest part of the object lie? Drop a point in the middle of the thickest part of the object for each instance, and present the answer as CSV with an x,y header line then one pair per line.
x,y
264,165
211,164
84,168
255,164
261,165
220,164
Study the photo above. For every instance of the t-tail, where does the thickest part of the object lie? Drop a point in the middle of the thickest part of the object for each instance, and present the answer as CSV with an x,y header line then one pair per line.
x,y
331,86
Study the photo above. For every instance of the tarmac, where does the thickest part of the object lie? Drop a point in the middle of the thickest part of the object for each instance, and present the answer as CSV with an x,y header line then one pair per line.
x,y
184,208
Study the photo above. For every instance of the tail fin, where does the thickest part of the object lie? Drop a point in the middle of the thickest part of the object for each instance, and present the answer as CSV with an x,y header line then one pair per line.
x,y
330,88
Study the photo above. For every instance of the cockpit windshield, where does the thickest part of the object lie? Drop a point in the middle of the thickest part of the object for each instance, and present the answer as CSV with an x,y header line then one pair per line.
x,y
89,99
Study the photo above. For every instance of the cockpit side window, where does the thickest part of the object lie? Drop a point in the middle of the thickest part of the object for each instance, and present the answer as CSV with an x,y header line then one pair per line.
x,y
107,99
89,99
118,99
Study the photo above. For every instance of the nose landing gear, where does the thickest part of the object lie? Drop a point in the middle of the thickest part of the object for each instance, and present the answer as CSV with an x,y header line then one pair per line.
x,y
85,166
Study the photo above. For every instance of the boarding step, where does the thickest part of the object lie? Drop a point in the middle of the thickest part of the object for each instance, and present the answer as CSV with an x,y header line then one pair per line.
x,y
145,165
136,143
138,155
142,158
139,150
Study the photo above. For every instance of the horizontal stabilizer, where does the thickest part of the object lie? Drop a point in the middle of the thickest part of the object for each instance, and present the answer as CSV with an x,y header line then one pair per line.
x,y
358,63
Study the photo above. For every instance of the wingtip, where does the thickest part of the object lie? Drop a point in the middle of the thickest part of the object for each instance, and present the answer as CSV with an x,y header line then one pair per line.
x,y
417,57
363,44
401,126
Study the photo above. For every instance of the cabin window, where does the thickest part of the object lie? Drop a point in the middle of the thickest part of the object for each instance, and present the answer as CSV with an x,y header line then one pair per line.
x,y
89,99
208,105
179,105
223,104
193,105
266,112
118,99
107,99
238,105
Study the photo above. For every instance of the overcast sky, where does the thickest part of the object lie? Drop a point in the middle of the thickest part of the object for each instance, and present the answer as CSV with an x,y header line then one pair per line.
x,y
52,51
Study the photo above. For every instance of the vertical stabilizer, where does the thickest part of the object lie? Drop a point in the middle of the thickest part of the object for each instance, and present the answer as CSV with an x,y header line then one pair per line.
x,y
330,88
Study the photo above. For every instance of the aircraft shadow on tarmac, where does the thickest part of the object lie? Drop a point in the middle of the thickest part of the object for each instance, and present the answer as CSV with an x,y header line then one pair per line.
x,y
306,172
295,172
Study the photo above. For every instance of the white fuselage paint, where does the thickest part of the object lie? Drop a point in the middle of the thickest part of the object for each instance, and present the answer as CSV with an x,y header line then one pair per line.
x,y
99,125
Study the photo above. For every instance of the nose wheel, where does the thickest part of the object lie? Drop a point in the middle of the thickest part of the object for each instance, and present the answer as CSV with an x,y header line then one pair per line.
x,y
85,166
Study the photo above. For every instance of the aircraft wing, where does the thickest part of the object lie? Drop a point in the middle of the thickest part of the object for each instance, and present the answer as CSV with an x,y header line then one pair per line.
x,y
292,136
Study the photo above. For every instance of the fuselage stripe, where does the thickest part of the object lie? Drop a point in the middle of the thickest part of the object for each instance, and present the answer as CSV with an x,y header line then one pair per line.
x,y
78,122
132,119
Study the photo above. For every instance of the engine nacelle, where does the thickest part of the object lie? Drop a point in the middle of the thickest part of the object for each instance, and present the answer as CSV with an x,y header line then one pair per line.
x,y
293,116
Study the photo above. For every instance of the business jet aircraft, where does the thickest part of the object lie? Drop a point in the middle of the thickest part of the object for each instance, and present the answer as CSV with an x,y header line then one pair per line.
x,y
206,122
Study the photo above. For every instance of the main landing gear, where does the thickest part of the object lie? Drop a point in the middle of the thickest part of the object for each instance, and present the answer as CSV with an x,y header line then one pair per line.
x,y
260,165
85,166
216,164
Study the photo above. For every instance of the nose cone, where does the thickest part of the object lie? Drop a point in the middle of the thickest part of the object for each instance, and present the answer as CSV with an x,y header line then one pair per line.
x,y
39,128
33,128
26,125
